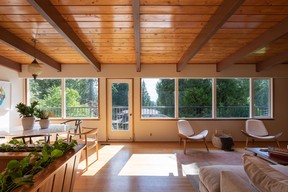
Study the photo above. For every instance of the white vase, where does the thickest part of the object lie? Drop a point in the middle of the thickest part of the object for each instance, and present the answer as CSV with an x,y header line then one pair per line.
x,y
44,123
28,122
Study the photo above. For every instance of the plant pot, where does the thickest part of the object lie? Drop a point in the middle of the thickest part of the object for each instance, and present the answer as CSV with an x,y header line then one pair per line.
x,y
44,123
28,122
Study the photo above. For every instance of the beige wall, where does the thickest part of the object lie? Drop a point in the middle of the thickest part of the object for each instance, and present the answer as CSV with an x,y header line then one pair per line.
x,y
166,130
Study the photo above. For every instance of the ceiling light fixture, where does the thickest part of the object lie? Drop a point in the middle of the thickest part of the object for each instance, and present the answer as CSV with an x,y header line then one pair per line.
x,y
34,68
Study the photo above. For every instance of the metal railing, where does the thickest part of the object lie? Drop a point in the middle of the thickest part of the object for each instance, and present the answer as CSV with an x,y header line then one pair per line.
x,y
166,111
74,111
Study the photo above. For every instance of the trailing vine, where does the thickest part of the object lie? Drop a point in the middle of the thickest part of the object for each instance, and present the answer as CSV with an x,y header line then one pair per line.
x,y
21,172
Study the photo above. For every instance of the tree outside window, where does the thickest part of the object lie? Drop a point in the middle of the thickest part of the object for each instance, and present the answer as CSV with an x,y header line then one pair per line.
x,y
48,93
158,98
262,100
232,98
81,96
195,98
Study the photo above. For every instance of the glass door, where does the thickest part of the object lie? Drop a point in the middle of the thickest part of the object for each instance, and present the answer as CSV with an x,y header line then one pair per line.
x,y
119,109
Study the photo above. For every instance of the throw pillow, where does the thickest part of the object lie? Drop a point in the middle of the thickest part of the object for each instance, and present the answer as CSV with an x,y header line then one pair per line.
x,y
263,176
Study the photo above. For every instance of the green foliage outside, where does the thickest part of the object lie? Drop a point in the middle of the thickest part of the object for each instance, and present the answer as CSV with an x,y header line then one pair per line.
x,y
146,99
195,98
165,89
119,94
233,98
81,96
261,97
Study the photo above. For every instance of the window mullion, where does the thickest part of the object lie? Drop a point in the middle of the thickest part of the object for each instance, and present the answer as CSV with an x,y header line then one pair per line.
x,y
252,98
214,100
63,90
176,98
271,103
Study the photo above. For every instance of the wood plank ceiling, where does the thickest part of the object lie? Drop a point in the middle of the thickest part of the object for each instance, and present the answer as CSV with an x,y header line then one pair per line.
x,y
142,32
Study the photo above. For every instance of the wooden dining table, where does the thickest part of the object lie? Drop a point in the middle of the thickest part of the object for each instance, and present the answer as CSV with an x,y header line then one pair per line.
x,y
53,129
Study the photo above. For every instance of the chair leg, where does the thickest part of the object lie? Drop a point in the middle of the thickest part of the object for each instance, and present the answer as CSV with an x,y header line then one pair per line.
x,y
247,139
86,156
205,144
97,148
185,141
277,143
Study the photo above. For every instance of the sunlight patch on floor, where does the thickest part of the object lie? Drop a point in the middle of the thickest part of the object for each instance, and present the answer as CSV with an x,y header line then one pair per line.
x,y
105,154
190,169
150,165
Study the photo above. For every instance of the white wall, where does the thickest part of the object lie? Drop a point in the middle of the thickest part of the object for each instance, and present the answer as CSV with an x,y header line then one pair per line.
x,y
10,118
166,130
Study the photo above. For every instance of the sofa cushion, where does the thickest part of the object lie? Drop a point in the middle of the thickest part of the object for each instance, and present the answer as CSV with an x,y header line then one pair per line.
x,y
210,175
231,181
263,176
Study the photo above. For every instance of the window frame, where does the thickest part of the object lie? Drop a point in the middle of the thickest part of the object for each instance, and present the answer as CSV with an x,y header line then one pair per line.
x,y
63,98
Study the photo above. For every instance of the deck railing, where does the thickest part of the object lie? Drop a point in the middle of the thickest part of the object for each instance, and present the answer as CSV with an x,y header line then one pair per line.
x,y
167,111
75,111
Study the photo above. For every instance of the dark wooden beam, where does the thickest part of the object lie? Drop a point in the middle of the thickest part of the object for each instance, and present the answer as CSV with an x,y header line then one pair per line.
x,y
261,41
274,60
52,15
136,18
222,14
21,45
10,64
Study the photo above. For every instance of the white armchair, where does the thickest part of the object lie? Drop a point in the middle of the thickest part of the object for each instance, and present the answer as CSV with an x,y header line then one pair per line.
x,y
255,129
186,132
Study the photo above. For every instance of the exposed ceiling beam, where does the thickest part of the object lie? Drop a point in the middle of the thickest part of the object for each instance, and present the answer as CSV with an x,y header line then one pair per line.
x,y
261,41
10,64
222,14
21,45
136,18
52,15
274,60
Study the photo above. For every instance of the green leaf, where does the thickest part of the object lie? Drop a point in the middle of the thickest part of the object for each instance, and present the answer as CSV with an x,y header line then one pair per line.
x,y
25,162
13,164
56,153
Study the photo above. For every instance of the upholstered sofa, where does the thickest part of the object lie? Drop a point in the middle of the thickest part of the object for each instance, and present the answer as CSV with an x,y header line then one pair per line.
x,y
254,175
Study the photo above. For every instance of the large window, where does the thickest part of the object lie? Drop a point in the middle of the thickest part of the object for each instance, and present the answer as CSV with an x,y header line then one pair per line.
x,y
81,96
206,98
158,98
195,98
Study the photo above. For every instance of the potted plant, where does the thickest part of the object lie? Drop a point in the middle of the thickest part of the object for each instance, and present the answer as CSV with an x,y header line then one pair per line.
x,y
44,118
27,114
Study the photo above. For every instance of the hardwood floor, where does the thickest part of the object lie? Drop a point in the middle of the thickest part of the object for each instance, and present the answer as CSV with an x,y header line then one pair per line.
x,y
138,167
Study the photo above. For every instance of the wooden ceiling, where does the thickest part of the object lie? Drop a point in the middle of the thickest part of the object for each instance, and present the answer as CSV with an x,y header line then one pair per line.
x,y
141,32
